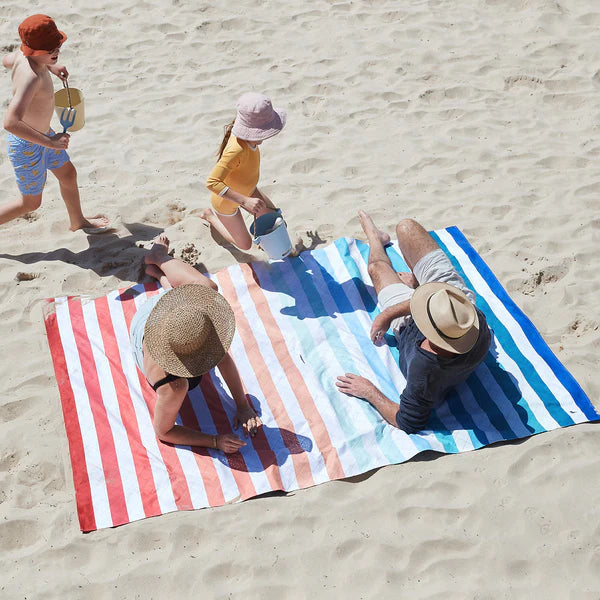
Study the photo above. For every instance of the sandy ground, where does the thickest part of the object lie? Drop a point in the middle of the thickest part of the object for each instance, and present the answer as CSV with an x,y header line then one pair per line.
x,y
478,114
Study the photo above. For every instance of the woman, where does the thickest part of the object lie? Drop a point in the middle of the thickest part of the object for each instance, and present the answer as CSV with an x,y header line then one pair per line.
x,y
177,336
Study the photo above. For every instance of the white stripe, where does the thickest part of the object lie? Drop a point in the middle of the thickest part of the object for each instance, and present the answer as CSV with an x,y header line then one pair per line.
x,y
91,448
520,339
127,473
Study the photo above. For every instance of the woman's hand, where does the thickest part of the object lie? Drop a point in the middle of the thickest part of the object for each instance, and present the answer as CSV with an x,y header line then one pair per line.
x,y
248,419
254,205
229,443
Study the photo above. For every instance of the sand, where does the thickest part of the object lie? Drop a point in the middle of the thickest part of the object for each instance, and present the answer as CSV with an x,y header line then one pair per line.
x,y
477,114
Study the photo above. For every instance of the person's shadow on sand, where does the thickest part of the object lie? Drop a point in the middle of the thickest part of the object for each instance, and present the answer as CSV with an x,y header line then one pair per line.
x,y
108,253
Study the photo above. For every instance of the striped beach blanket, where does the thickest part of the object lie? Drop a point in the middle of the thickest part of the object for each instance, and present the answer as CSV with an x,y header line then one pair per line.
x,y
301,322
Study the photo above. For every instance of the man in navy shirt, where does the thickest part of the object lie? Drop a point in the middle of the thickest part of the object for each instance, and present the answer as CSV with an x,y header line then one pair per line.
x,y
442,337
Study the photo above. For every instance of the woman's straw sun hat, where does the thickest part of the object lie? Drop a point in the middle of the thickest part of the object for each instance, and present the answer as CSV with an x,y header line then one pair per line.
x,y
189,330
445,316
256,119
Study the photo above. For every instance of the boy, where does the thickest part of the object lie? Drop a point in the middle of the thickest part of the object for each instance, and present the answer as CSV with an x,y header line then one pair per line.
x,y
32,146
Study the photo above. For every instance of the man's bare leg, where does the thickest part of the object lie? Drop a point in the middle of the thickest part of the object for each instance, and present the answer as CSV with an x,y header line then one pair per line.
x,y
67,180
414,241
174,270
380,267
18,208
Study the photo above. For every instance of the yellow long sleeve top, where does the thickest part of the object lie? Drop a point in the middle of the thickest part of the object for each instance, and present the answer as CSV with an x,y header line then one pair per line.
x,y
238,169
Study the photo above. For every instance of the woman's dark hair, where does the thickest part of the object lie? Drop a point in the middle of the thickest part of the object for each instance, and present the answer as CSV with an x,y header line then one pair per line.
x,y
226,137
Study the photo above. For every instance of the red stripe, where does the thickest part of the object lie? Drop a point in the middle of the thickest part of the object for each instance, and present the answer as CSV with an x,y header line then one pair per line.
x,y
108,454
83,494
145,479
306,401
179,486
265,381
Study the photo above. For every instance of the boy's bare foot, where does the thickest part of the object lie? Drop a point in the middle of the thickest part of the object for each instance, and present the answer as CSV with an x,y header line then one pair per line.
x,y
370,230
159,250
92,225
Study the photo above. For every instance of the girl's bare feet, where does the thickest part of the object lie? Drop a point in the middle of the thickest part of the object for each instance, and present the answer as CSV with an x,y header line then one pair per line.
x,y
371,231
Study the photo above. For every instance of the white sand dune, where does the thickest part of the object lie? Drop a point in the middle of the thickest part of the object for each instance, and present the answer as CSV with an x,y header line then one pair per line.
x,y
477,114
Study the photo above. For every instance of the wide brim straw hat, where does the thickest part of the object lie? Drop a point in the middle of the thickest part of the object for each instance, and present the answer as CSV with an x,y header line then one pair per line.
x,y
445,316
256,119
189,330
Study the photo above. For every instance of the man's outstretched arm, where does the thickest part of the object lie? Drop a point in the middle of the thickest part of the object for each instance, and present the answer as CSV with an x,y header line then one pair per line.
x,y
355,385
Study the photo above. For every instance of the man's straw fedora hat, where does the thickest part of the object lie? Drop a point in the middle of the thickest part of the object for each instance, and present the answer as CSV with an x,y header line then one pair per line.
x,y
445,316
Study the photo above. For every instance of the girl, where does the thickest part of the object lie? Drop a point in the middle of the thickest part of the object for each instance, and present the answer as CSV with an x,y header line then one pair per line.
x,y
234,178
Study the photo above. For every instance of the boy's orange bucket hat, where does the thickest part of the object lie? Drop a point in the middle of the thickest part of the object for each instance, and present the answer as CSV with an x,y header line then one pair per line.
x,y
39,35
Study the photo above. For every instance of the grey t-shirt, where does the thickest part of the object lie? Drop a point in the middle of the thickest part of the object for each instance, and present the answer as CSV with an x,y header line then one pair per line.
x,y
430,376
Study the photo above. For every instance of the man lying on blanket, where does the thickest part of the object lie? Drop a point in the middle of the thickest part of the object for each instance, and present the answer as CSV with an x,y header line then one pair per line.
x,y
442,337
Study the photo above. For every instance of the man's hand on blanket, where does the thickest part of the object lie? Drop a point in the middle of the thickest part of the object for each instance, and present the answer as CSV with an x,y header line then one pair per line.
x,y
355,385
248,419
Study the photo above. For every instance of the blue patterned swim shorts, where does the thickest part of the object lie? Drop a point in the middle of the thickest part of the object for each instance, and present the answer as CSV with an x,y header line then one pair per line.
x,y
31,161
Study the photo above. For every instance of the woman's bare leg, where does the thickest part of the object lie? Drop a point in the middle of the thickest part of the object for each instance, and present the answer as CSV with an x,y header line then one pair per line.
x,y
174,270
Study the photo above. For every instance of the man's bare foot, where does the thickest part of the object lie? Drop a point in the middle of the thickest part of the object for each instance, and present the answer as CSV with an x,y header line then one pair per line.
x,y
159,250
97,224
371,231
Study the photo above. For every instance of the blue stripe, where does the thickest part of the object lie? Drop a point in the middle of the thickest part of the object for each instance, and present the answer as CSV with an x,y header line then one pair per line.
x,y
503,335
540,387
562,374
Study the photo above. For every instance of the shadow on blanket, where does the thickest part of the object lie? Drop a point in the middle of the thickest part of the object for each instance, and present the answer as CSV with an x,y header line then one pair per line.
x,y
312,287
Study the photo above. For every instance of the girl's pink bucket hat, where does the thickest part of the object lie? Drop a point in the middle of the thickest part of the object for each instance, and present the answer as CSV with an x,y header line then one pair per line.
x,y
256,118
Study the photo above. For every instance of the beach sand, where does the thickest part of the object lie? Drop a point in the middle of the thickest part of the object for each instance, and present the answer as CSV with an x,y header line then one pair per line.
x,y
479,114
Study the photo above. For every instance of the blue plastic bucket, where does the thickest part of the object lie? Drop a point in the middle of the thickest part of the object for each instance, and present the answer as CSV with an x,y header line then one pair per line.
x,y
274,240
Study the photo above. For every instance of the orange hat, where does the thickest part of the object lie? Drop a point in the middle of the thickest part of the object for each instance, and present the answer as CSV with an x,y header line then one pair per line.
x,y
39,35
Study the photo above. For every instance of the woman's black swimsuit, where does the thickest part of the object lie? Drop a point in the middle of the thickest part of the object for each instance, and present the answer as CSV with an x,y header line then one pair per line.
x,y
192,381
